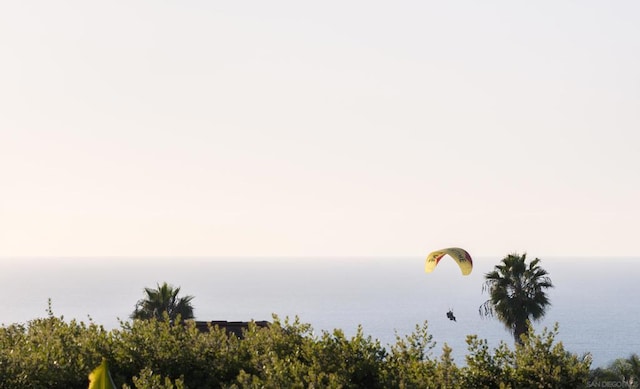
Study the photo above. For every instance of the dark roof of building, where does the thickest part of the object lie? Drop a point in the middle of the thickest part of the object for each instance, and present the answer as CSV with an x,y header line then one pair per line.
x,y
232,327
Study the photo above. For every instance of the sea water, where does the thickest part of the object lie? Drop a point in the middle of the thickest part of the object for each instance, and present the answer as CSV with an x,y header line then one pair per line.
x,y
595,300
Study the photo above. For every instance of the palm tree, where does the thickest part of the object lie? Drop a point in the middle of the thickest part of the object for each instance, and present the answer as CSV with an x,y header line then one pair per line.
x,y
517,293
163,299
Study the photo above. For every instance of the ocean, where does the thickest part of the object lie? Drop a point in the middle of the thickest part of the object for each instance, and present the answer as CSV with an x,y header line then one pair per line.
x,y
595,300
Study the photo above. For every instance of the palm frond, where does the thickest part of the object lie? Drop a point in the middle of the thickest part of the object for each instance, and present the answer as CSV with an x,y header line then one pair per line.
x,y
163,303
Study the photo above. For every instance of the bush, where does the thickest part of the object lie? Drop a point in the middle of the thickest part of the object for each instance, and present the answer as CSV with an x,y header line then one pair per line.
x,y
539,362
623,372
52,353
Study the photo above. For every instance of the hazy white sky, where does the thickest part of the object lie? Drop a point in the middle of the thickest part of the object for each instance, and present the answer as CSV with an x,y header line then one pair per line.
x,y
319,128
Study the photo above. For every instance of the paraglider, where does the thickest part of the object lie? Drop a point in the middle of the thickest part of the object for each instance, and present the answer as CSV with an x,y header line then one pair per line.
x,y
461,256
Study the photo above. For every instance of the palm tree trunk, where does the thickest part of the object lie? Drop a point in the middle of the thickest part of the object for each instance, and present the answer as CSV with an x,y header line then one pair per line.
x,y
520,329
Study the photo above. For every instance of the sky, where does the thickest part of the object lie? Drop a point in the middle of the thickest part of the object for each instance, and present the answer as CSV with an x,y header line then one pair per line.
x,y
333,128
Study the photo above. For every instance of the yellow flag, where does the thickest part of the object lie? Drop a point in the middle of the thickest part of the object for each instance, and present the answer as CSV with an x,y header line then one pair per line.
x,y
100,377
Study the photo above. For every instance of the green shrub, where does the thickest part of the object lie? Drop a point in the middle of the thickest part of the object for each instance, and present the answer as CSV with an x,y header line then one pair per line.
x,y
52,353
148,380
540,362
204,359
409,363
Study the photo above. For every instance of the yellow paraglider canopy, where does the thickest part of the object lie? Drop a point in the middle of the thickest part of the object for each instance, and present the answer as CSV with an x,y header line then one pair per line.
x,y
461,256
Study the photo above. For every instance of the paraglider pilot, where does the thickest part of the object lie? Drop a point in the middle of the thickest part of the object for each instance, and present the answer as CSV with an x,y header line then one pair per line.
x,y
450,316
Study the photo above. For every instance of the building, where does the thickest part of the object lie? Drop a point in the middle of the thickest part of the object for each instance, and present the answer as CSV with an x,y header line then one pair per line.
x,y
232,327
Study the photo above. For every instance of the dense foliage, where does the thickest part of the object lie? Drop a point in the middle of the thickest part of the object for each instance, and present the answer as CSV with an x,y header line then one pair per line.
x,y
622,373
53,353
